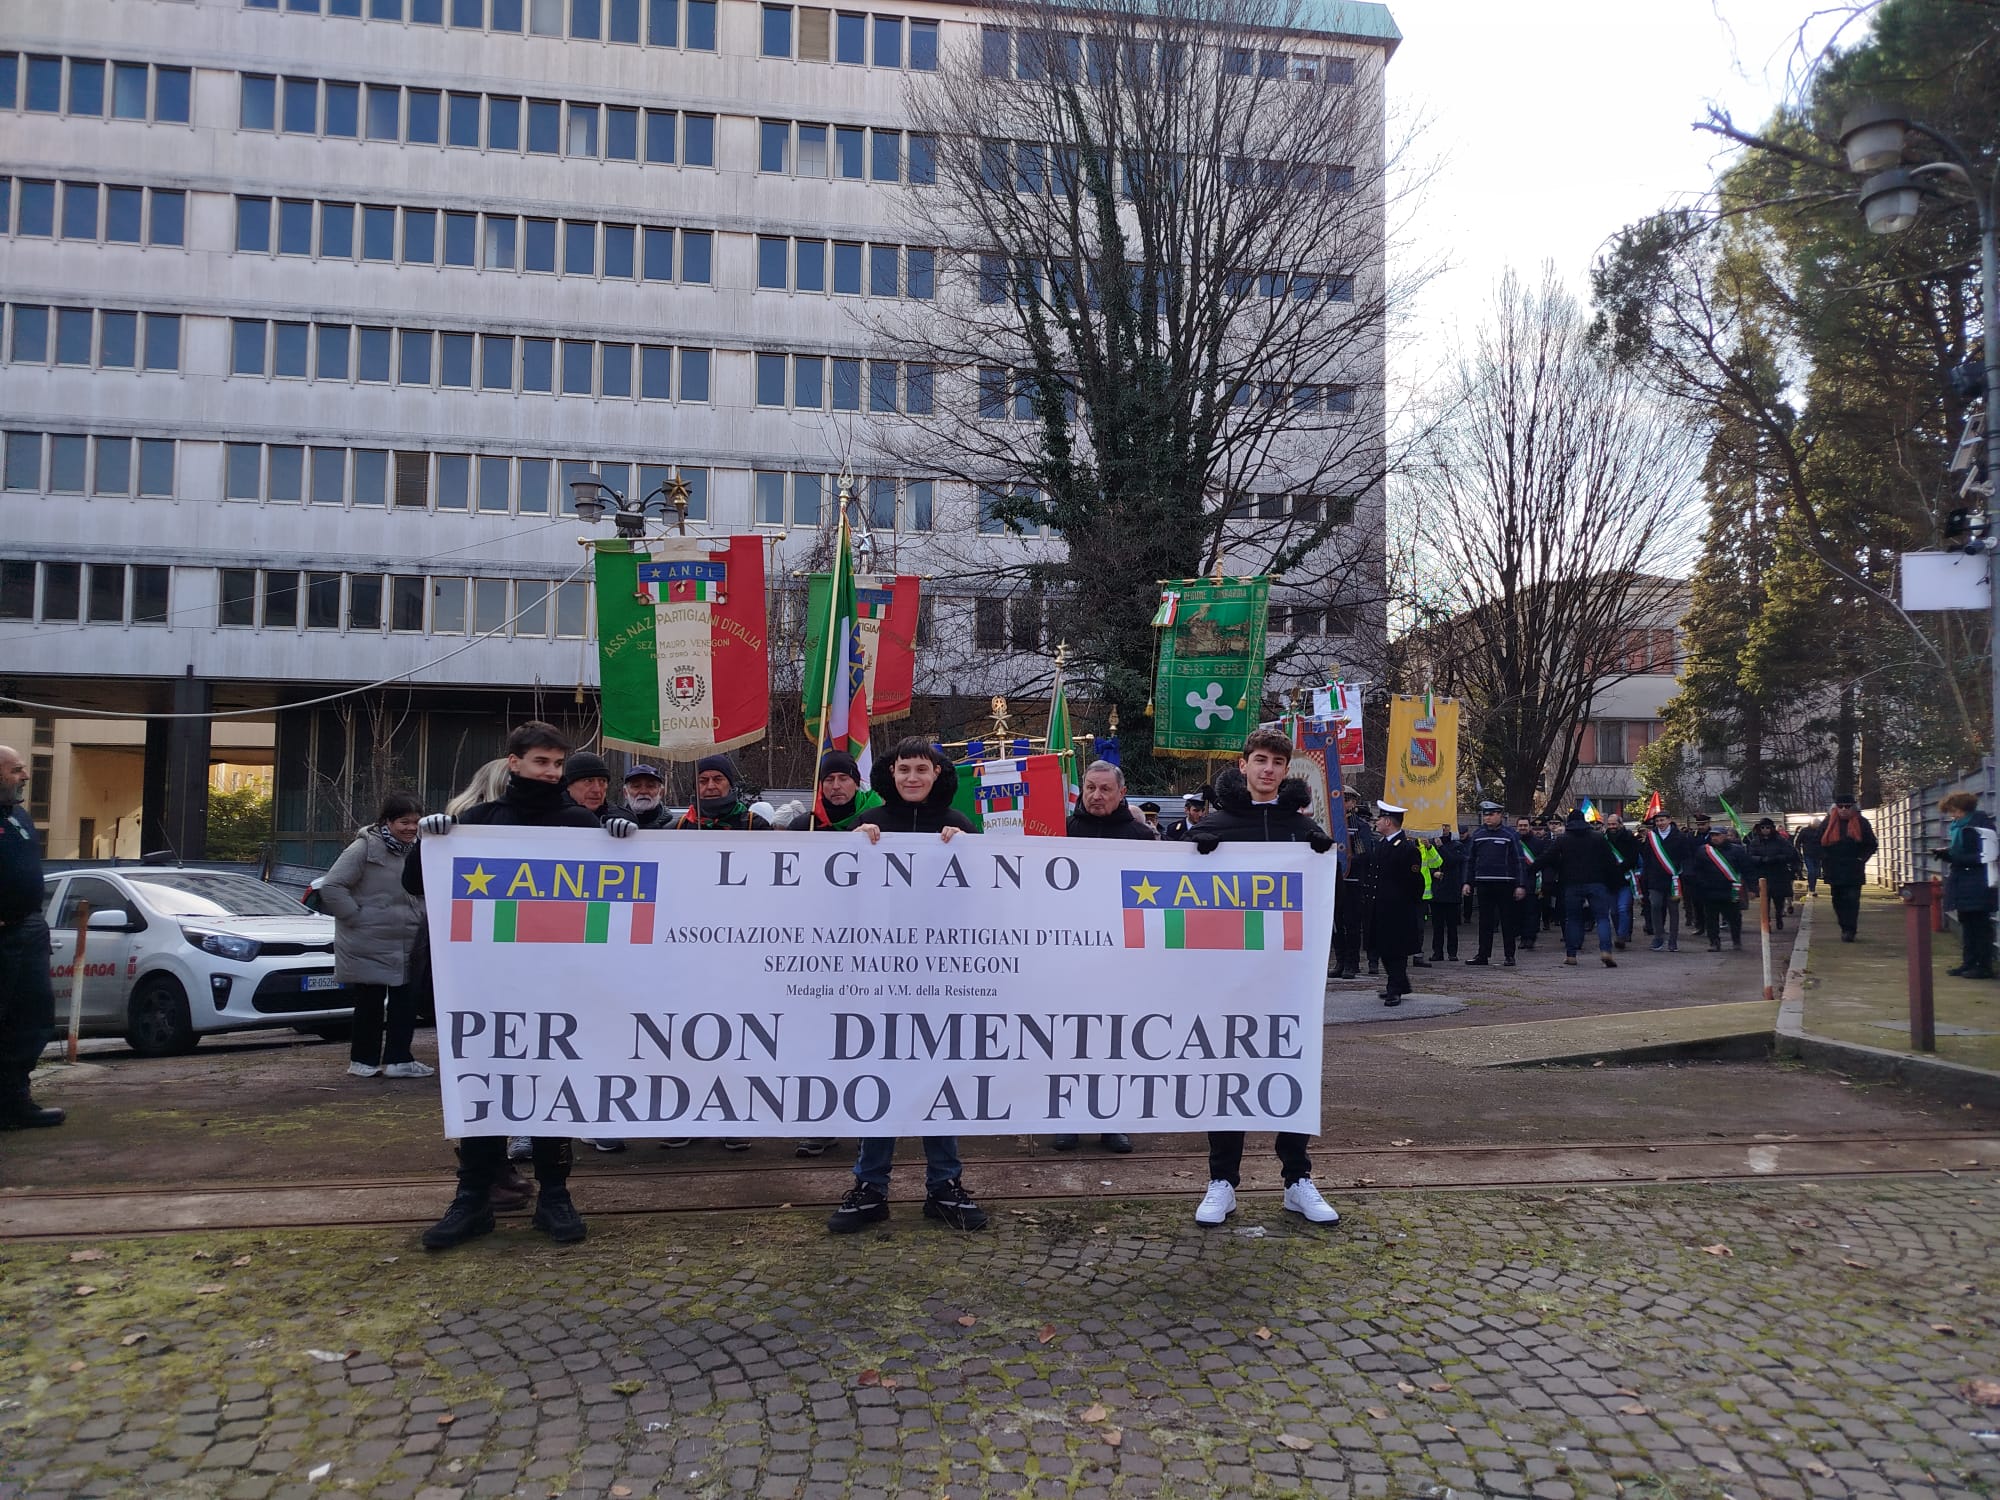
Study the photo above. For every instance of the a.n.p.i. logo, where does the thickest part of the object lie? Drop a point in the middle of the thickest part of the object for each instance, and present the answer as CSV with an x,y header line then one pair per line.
x,y
1241,910
552,901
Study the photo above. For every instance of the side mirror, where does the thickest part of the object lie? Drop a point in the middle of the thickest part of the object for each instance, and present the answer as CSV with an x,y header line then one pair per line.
x,y
111,919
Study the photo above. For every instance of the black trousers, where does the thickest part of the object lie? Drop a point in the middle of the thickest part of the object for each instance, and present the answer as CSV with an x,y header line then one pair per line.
x,y
1720,912
1347,933
372,1002
1846,905
1444,929
1396,973
1975,935
482,1160
27,1002
1225,1156
1496,913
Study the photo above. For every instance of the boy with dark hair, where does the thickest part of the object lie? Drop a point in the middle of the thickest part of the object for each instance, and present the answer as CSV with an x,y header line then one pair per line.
x,y
915,783
1256,803
534,798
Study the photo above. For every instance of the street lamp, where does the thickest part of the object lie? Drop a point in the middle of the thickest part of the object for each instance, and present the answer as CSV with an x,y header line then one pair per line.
x,y
1875,137
594,500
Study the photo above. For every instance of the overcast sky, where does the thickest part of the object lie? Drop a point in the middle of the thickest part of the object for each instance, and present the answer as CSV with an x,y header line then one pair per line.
x,y
1550,124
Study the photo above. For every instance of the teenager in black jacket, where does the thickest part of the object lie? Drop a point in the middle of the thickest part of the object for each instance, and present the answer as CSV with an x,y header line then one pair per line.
x,y
1255,804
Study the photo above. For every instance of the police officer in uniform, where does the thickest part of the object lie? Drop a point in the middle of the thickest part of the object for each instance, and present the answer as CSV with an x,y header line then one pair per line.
x,y
27,1004
1392,900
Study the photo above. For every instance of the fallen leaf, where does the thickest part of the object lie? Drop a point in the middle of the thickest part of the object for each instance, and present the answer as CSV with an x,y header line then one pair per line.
x,y
1722,1250
1263,1333
86,1291
241,1260
1626,1390
77,1367
1943,1328
135,1338
1112,1436
1634,1409
967,1321
627,1387
1438,1385
1100,1229
204,1255
1095,1412
869,1377
319,1472
1859,1265
1293,1441
1405,1141
326,1356
1981,1390
1814,1466
621,1490
1048,1333
210,1289
1379,1413
889,1382
1406,1388
76,1255
445,1419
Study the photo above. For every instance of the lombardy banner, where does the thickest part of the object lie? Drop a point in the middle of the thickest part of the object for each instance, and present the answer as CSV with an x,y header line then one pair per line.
x,y
732,984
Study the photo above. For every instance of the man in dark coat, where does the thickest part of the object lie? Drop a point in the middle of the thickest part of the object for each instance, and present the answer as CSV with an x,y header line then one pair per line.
x,y
1446,882
1102,811
1194,806
1496,874
646,800
1968,884
1625,848
1586,871
1257,804
842,798
1392,898
1772,858
1846,844
534,798
1663,854
718,804
27,1000
1348,924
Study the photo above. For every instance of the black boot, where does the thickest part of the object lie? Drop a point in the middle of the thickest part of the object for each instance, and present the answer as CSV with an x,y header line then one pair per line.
x,y
556,1215
20,1112
470,1216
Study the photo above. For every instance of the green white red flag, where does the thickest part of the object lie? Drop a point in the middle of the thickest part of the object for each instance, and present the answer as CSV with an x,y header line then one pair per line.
x,y
835,691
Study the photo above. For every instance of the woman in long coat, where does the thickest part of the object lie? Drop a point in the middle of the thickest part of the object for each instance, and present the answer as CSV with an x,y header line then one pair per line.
x,y
375,922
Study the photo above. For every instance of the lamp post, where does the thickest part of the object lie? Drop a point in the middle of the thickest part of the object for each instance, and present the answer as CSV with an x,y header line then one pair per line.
x,y
1876,137
594,500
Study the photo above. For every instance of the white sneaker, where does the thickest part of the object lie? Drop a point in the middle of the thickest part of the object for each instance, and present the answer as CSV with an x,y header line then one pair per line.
x,y
409,1070
1303,1198
1218,1203
362,1070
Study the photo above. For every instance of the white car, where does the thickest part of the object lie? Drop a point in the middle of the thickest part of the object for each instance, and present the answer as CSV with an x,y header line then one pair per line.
x,y
172,954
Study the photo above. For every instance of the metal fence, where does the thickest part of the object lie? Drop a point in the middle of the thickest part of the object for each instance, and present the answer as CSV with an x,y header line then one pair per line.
x,y
1909,828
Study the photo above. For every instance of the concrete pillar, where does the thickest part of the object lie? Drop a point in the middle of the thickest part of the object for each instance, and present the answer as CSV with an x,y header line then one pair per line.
x,y
174,813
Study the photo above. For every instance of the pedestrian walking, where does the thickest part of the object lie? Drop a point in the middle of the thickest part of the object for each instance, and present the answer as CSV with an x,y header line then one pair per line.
x,y
27,999
1846,844
1663,849
1806,841
533,798
1625,848
916,784
1772,859
1445,894
1585,870
1496,875
1972,856
1392,898
1257,803
1715,872
375,927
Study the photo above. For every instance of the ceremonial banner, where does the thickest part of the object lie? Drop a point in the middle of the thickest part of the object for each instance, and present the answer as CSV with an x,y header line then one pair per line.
x,y
1422,774
1027,795
681,650
833,692
806,985
1342,701
885,610
1208,692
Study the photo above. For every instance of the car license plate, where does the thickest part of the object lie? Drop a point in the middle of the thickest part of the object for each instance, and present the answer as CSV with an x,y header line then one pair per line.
x,y
319,982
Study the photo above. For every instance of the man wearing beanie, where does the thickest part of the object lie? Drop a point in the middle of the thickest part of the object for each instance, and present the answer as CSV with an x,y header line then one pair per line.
x,y
842,797
718,806
587,781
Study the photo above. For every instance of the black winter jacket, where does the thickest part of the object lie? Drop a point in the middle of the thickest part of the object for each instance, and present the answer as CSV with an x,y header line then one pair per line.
x,y
1450,875
1625,845
1845,861
1679,847
1582,857
1234,819
932,815
1122,824
1772,858
525,804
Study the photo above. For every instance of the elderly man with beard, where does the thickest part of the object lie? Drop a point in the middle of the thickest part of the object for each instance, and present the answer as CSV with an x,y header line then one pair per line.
x,y
646,798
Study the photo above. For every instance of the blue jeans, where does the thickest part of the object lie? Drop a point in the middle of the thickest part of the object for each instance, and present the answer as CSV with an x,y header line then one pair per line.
x,y
1621,915
872,1161
1575,899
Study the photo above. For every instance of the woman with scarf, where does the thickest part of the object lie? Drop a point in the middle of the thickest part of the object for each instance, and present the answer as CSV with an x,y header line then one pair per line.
x,y
1968,888
374,923
1846,844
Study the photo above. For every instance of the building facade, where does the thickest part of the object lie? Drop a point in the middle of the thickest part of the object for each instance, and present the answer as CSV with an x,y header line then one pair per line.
x,y
314,308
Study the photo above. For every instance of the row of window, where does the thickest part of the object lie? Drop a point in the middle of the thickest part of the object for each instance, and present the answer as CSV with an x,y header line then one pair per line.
x,y
657,23
472,241
92,211
801,265
1059,282
105,340
282,350
93,593
813,34
486,484
794,499
493,122
285,599
69,463
1035,56
813,382
1306,509
94,88
846,153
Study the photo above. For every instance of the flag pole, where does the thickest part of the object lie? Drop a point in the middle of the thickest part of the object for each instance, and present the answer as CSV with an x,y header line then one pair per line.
x,y
826,677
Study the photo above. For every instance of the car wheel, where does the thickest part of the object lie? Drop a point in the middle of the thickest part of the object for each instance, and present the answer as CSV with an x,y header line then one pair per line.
x,y
157,1023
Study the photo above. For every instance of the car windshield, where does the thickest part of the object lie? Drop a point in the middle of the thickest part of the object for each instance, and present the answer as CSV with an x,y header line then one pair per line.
x,y
206,893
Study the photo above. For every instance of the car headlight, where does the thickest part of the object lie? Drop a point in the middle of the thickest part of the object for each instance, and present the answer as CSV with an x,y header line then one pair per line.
x,y
223,944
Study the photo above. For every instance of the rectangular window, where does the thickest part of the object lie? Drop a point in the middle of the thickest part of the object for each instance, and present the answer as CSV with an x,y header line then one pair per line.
x,y
531,605
257,108
882,385
73,327
343,110
372,356
24,461
156,467
468,13
808,382
416,360
585,17
696,245
656,372
883,270
124,215
849,152
128,92
336,231
371,477
503,123
573,599
847,385
295,226
622,22
489,605
242,472
163,341
38,209
413,481
774,144
454,481
769,502
329,476
881,504
577,357
62,591
538,245
238,606
846,269
169,218
659,255
694,379
621,134
580,247
545,17
544,127
461,239
538,365
812,151
811,265
378,234
455,361
886,164
301,106
420,236
107,594
700,32
815,34
420,128
494,486
989,617
66,463
406,604
773,259
447,606
698,131
118,340
86,86
770,380
385,114
888,41
777,31
496,362
923,46
31,335
45,85
462,121
918,387
993,385
618,243
111,467
322,601
918,505
663,18
502,233
660,134
289,344
534,486
364,601
582,131
285,474
79,211
253,224
807,494
281,601
616,368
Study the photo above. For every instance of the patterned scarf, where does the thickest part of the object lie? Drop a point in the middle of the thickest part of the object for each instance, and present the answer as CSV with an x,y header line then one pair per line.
x,y
390,842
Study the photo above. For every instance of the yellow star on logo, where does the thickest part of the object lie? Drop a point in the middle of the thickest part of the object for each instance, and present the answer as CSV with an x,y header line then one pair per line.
x,y
1146,891
477,880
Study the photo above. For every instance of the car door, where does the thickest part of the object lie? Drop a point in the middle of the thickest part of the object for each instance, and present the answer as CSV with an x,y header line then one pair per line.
x,y
107,967
62,948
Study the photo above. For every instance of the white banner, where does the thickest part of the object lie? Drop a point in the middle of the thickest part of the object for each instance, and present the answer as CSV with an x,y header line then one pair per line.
x,y
777,984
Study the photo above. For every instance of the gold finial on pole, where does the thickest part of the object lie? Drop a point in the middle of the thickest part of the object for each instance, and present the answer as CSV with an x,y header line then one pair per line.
x,y
999,707
1114,718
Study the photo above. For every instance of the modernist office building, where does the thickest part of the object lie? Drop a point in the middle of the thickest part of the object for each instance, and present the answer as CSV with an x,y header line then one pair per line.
x,y
313,307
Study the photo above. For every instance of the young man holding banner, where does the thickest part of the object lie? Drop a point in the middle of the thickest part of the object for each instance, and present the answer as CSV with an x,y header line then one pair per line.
x,y
1255,804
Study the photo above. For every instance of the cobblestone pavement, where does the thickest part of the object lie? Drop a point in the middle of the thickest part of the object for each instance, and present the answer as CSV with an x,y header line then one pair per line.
x,y
1776,1340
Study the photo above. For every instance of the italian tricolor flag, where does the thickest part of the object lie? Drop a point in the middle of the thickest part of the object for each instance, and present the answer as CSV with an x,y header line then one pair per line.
x,y
834,695
1231,931
475,921
1015,796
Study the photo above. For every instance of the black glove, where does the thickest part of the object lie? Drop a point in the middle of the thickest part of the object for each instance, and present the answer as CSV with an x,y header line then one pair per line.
x,y
1320,843
1204,844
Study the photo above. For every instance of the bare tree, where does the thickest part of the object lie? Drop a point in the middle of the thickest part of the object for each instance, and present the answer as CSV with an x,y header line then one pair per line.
x,y
1163,348
1551,504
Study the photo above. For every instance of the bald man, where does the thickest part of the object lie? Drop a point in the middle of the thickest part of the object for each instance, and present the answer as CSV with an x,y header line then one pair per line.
x,y
27,1005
